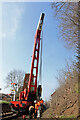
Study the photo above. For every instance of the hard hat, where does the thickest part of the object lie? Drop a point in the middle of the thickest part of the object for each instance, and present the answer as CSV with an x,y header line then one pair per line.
x,y
35,101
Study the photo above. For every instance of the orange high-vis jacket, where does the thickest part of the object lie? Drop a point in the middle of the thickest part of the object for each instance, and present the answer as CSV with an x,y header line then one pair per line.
x,y
38,103
41,101
36,107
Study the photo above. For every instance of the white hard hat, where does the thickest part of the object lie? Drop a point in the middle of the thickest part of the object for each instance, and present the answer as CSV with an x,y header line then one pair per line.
x,y
35,101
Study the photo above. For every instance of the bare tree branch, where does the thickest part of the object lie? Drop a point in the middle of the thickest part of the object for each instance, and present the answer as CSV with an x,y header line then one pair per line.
x,y
68,15
15,76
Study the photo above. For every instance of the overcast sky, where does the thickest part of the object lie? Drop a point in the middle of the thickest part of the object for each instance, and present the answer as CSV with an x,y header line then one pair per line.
x,y
19,23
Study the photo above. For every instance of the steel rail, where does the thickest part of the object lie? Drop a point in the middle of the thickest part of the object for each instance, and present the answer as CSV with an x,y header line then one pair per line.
x,y
10,116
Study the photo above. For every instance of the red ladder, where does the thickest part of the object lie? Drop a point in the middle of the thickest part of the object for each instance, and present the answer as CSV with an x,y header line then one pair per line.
x,y
34,66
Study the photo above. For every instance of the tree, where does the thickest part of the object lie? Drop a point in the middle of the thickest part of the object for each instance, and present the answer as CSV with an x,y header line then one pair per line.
x,y
69,74
66,95
15,76
67,13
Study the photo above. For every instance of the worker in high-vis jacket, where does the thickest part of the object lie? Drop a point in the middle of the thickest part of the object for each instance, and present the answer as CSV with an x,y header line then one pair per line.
x,y
38,106
36,109
31,111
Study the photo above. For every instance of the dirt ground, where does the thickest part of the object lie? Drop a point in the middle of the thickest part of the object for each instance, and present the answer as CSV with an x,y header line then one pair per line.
x,y
64,103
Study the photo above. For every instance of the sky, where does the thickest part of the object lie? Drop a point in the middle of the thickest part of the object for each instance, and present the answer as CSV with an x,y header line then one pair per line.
x,y
19,23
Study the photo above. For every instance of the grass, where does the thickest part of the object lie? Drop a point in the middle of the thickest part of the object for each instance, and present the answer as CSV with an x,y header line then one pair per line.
x,y
72,116
4,102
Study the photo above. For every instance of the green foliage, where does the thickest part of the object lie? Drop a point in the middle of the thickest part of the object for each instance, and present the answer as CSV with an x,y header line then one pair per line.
x,y
4,102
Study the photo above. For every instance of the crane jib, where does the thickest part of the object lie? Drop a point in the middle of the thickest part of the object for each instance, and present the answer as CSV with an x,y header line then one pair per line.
x,y
32,84
40,23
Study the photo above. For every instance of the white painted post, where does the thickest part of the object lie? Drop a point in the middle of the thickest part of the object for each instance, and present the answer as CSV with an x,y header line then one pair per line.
x,y
14,96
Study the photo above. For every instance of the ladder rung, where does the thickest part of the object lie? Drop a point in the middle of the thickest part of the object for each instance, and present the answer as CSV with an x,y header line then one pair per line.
x,y
34,67
37,50
36,58
32,85
34,76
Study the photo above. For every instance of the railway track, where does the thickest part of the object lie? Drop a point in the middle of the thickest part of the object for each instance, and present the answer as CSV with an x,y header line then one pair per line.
x,y
6,113
9,116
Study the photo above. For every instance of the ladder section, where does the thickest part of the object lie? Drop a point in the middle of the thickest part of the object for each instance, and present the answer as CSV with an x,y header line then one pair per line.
x,y
34,67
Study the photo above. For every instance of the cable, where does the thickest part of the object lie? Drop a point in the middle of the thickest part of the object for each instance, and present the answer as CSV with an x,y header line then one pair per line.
x,y
40,71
